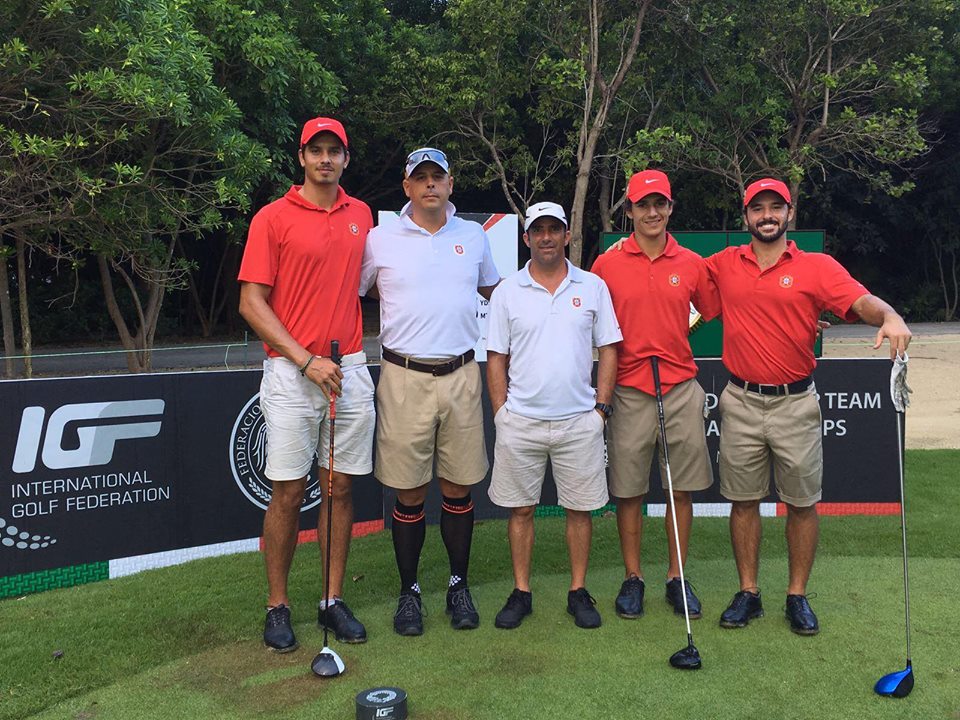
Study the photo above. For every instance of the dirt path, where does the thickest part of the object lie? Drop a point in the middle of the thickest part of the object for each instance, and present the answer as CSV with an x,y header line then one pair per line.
x,y
933,420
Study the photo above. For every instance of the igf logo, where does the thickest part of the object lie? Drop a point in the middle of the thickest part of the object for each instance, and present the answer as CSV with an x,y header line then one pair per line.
x,y
96,440
384,712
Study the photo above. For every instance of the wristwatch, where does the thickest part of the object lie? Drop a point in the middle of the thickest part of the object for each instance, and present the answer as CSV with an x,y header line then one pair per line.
x,y
606,409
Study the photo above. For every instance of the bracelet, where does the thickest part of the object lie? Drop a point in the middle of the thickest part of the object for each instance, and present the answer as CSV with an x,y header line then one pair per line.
x,y
303,370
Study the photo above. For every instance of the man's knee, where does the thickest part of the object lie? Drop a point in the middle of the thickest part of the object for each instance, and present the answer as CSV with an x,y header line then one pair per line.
x,y
413,496
287,495
452,490
524,514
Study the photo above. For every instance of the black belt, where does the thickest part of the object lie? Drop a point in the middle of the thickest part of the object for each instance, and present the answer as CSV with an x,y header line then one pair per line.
x,y
788,389
438,369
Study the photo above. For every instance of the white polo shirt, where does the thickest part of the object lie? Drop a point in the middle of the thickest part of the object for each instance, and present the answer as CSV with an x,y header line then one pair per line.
x,y
550,341
428,284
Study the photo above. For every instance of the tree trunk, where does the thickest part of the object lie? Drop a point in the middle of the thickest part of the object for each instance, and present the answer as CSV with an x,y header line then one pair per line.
x,y
130,344
26,336
604,202
6,312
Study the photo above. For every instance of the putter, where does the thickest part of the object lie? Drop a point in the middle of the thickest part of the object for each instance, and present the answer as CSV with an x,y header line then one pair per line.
x,y
328,664
899,684
689,657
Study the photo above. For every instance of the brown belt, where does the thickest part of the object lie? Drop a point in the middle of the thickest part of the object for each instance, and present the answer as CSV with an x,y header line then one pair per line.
x,y
438,369
787,389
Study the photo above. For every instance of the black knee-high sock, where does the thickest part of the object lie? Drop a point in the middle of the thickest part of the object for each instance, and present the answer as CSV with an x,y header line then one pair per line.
x,y
456,529
409,529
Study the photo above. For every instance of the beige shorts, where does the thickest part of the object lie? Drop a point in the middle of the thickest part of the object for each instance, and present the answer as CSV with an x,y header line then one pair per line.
x,y
421,416
759,429
633,434
295,413
575,449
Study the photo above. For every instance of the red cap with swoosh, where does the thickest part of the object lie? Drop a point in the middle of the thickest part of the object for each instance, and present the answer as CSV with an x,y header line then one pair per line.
x,y
648,182
322,124
762,186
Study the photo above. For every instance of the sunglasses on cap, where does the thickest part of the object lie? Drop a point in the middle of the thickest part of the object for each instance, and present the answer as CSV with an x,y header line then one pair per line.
x,y
422,155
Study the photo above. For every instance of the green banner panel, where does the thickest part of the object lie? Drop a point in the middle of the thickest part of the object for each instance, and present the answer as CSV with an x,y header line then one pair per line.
x,y
16,585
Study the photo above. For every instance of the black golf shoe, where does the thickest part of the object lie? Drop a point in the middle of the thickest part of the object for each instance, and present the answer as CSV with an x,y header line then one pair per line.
x,y
583,608
629,604
675,598
346,628
277,633
744,607
463,613
408,620
517,607
802,619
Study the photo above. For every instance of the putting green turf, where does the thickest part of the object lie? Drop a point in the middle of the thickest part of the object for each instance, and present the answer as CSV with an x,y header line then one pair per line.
x,y
184,641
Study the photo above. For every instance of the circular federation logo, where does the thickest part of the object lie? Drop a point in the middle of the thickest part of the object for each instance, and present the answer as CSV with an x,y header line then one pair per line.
x,y
248,459
786,281
675,280
354,228
383,695
576,302
458,249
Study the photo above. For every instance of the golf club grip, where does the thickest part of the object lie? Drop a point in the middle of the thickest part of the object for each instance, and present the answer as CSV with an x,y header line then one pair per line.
x,y
335,351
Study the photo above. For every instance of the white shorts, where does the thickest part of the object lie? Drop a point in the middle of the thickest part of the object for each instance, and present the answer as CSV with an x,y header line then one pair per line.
x,y
575,449
296,416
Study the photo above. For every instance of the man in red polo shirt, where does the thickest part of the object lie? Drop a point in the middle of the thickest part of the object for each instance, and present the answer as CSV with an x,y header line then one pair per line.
x,y
300,278
771,296
652,283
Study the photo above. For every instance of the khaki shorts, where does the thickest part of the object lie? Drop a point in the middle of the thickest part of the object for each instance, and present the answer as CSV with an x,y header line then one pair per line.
x,y
759,429
633,434
420,416
295,414
575,449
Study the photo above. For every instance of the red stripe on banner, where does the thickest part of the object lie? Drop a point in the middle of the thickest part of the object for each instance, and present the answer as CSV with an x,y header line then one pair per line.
x,y
875,508
359,530
493,220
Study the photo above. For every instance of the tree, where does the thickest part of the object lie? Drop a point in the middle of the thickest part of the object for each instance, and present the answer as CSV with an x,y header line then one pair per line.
x,y
128,144
829,85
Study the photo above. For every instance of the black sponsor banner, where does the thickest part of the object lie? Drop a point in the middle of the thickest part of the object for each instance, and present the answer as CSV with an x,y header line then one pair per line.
x,y
99,468
859,439
94,469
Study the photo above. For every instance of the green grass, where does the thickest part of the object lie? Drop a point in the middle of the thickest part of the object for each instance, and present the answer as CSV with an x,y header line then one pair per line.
x,y
185,641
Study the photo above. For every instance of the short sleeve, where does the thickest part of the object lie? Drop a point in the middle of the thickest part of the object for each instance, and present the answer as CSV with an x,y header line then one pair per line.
x,y
838,289
261,254
606,328
498,322
489,275
368,269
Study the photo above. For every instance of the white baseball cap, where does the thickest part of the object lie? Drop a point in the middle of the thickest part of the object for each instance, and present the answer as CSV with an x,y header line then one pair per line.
x,y
544,209
426,154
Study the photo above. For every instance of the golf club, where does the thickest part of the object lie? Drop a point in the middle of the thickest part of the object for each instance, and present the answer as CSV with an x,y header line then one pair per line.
x,y
689,657
899,684
328,663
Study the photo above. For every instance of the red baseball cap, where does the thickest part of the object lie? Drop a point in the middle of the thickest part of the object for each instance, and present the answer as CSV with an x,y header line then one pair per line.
x,y
322,124
763,185
648,182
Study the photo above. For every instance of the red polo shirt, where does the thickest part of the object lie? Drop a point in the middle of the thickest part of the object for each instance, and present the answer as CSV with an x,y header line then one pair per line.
x,y
770,317
311,258
652,301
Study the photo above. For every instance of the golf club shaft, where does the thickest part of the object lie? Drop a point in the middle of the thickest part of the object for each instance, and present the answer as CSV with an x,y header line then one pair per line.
x,y
655,362
903,530
335,356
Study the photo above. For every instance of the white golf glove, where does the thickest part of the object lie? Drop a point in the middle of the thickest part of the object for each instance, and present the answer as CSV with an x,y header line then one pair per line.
x,y
899,390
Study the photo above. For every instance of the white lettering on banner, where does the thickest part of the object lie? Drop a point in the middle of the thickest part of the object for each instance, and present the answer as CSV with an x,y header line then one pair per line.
x,y
36,488
129,497
96,441
851,400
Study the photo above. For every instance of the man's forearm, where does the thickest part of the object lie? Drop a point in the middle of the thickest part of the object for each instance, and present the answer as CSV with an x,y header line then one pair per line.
x,y
496,379
606,373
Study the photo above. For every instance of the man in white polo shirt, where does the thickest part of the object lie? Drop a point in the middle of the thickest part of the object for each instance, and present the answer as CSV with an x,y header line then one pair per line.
x,y
427,269
544,323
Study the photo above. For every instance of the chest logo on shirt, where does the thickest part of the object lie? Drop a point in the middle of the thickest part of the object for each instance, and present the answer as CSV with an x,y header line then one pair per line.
x,y
458,249
576,302
786,281
354,228
674,280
